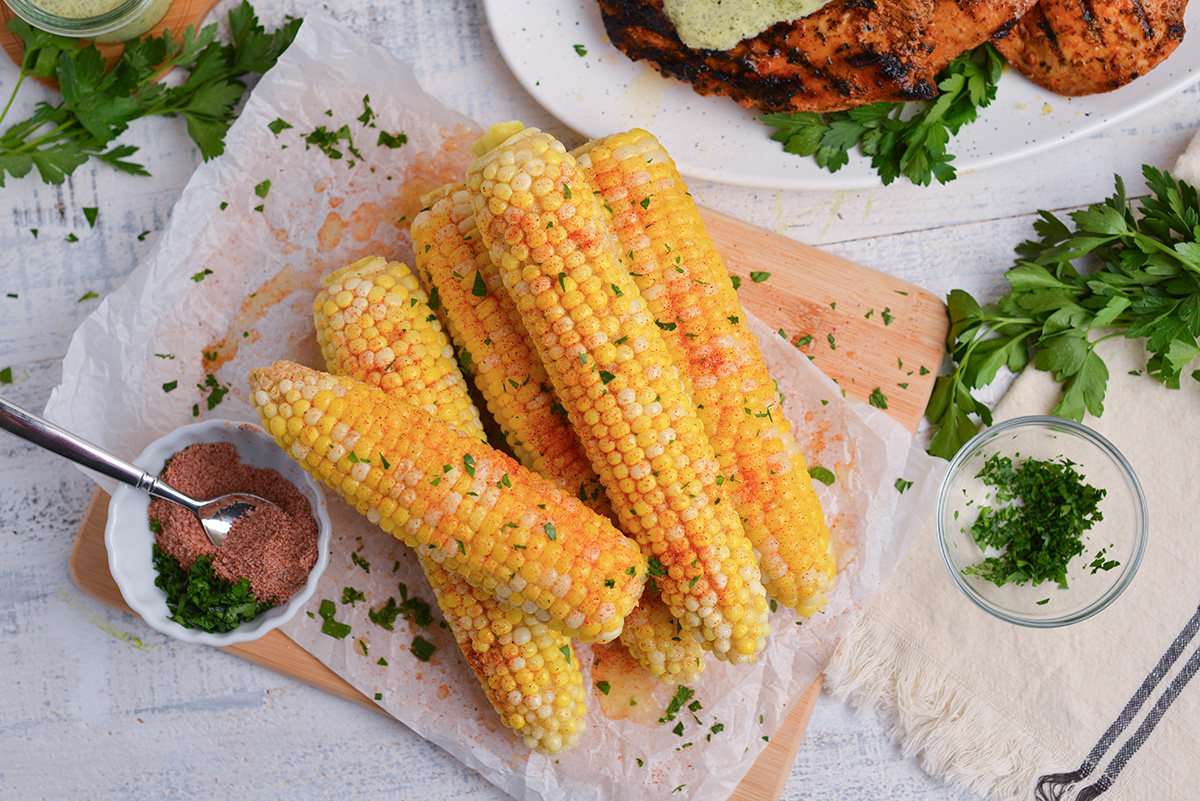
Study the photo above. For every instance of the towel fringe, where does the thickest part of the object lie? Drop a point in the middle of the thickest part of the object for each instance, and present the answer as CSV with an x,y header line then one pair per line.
x,y
954,735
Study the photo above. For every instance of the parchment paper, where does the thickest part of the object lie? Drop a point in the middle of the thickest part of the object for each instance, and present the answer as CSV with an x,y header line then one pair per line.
x,y
229,286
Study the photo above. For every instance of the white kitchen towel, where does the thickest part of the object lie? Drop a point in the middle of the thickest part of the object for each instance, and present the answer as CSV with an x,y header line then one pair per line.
x,y
1105,707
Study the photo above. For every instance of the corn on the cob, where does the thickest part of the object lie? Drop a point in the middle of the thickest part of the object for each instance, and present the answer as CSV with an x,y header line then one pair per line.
x,y
486,325
548,235
659,643
686,286
483,321
467,506
374,324
528,671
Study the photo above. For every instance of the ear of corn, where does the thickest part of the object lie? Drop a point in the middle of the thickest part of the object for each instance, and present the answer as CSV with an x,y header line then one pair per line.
x,y
686,286
659,643
374,324
483,321
548,235
528,670
487,327
455,500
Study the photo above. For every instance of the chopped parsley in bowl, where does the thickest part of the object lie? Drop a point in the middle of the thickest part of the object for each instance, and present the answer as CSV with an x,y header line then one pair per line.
x,y
1041,521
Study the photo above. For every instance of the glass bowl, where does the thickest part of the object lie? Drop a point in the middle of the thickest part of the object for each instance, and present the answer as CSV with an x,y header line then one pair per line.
x,y
1122,531
104,21
129,540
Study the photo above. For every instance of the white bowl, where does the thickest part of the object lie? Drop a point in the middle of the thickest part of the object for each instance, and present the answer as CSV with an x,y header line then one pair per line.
x,y
129,540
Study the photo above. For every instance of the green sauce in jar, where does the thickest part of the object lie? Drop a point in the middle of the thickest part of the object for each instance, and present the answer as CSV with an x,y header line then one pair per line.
x,y
721,24
103,21
77,9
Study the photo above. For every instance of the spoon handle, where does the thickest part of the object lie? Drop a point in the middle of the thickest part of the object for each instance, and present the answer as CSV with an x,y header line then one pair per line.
x,y
29,426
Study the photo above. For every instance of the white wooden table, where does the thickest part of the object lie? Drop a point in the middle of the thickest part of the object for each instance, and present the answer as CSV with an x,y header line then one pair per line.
x,y
93,704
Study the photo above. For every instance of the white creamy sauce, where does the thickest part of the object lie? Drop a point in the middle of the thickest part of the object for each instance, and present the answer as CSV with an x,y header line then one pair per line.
x,y
721,24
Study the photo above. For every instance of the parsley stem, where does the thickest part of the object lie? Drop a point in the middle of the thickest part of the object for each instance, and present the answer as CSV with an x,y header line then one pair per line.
x,y
13,96
50,136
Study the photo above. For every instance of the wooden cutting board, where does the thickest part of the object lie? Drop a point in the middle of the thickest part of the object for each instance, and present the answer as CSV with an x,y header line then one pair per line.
x,y
863,328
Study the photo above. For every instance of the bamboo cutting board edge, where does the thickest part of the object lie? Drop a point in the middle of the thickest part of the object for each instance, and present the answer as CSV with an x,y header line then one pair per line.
x,y
864,329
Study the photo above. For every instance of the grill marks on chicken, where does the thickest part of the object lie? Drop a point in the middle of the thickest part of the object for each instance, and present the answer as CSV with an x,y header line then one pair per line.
x,y
850,53
1080,47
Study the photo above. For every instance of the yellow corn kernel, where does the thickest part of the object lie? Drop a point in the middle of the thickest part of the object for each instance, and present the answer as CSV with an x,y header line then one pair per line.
x,y
487,328
438,477
682,518
499,643
686,286
374,324
658,642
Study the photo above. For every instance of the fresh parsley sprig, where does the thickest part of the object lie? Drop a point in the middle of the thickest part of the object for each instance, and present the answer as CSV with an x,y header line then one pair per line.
x,y
898,140
97,105
1120,272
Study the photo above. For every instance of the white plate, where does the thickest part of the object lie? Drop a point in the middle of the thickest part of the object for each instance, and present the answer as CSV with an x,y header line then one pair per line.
x,y
603,92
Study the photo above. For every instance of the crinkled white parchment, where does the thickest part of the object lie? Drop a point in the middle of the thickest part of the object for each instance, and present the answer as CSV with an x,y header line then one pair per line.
x,y
175,322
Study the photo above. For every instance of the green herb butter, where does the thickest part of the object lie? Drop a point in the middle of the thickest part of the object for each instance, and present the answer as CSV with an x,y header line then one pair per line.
x,y
720,25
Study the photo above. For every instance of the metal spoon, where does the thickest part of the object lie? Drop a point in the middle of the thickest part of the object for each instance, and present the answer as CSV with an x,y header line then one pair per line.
x,y
216,516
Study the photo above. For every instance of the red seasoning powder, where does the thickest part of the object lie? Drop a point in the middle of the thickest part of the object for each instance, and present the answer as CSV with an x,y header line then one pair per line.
x,y
274,549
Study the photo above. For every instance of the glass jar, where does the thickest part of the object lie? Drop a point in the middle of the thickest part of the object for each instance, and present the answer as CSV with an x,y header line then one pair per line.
x,y
103,21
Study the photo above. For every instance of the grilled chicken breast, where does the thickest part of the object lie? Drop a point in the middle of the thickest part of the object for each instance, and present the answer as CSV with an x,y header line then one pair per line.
x,y
1079,47
850,53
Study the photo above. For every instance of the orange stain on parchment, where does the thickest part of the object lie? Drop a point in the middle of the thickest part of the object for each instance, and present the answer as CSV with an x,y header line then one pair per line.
x,y
329,235
443,692
631,687
254,307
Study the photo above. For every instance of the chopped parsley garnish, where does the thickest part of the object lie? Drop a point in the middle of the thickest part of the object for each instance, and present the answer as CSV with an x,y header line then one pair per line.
x,y
351,596
1100,563
479,287
89,295
822,474
422,649
758,276
550,532
170,385
603,686
1042,510
200,276
392,141
197,598
469,464
329,626
902,485
878,399
278,126
580,50
683,694
89,214
263,188
358,560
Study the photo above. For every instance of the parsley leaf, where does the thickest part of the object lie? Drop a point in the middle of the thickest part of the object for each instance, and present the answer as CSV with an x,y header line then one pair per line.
x,y
1126,268
897,142
197,598
99,104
